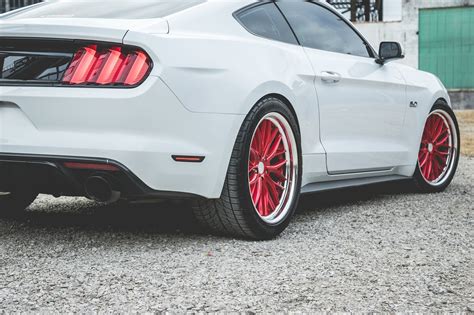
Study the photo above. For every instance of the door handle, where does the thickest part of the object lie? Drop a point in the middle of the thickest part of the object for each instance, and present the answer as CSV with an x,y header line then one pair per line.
x,y
330,77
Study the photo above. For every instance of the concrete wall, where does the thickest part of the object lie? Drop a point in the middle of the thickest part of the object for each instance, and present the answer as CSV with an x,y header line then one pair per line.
x,y
462,99
405,31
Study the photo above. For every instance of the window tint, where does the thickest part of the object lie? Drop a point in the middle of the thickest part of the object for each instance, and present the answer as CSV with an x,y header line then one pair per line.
x,y
317,27
266,21
105,9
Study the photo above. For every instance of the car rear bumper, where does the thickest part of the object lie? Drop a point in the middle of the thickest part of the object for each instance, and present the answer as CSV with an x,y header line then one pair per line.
x,y
141,129
50,175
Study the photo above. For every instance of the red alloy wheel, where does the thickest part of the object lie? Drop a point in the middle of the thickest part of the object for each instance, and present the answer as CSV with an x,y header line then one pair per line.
x,y
272,167
437,148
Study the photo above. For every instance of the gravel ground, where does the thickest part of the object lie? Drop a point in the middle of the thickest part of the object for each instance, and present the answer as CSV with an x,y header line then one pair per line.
x,y
374,249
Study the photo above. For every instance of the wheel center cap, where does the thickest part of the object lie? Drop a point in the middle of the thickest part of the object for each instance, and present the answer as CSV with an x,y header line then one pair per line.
x,y
430,147
261,168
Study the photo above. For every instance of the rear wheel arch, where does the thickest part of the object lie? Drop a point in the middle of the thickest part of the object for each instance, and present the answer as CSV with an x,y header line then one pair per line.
x,y
234,212
287,103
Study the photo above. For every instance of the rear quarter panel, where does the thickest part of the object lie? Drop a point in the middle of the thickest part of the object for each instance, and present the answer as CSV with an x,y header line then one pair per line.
x,y
214,65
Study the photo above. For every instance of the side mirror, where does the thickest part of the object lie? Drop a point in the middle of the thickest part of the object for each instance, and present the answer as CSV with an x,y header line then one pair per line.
x,y
389,51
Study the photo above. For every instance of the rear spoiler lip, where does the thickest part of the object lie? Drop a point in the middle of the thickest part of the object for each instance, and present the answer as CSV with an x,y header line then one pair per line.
x,y
82,29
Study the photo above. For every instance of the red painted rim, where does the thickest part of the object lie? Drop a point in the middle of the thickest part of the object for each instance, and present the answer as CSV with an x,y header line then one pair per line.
x,y
271,167
437,148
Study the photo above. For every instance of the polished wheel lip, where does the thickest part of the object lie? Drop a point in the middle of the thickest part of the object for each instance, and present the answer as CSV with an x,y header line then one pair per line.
x,y
428,146
291,166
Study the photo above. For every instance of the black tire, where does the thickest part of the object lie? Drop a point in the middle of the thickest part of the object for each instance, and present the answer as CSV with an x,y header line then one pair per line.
x,y
234,214
15,203
423,185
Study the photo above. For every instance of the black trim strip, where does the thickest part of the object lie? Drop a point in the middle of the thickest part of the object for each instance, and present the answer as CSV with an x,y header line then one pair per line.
x,y
143,190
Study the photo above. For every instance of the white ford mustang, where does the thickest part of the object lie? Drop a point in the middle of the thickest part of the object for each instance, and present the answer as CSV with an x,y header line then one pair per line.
x,y
241,106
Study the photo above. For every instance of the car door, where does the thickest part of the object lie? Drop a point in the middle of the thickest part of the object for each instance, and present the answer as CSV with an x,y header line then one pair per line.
x,y
362,104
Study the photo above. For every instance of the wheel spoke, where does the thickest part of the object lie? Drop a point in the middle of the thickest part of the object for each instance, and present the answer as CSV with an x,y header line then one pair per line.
x,y
253,165
278,153
265,209
277,165
438,129
429,169
253,190
443,140
253,155
265,133
262,208
271,204
279,174
428,133
272,190
442,153
262,140
258,192
441,163
423,162
253,179
273,136
272,150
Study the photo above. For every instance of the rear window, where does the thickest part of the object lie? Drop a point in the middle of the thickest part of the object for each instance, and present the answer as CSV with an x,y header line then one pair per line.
x,y
105,9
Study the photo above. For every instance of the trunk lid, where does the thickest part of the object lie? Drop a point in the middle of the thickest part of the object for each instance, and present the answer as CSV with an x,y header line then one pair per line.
x,y
109,30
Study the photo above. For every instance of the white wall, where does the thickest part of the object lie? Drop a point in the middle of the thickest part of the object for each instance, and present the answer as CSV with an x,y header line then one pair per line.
x,y
392,10
405,31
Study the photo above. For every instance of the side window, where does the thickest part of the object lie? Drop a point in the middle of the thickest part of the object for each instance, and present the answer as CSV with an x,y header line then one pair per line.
x,y
317,27
267,21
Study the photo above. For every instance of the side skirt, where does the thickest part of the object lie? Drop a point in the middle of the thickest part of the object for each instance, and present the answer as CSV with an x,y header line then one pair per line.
x,y
347,183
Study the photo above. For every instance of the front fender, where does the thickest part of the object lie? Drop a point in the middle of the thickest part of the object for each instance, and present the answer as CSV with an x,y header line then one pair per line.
x,y
424,89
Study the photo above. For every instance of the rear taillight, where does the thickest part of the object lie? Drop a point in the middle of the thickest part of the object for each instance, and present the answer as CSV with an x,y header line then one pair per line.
x,y
109,66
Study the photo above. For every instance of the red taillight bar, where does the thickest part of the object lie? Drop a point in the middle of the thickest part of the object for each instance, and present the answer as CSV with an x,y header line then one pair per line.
x,y
107,66
187,158
81,65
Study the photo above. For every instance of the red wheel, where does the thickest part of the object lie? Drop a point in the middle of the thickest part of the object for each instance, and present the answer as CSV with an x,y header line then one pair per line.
x,y
439,150
263,182
272,167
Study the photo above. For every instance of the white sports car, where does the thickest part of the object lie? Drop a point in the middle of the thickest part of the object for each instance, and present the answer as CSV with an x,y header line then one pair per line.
x,y
241,106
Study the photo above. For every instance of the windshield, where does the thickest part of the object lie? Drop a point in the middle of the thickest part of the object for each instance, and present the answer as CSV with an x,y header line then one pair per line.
x,y
105,9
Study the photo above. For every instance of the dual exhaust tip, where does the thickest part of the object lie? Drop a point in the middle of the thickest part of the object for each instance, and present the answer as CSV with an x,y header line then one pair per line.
x,y
101,189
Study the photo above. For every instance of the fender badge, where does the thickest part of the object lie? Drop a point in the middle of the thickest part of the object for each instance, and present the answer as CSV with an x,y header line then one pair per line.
x,y
413,104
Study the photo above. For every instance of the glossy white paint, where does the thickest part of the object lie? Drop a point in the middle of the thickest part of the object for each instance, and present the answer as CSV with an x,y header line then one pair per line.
x,y
204,82
360,133
88,29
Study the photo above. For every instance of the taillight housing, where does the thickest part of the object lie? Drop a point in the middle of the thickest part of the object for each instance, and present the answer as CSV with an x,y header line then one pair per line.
x,y
107,66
